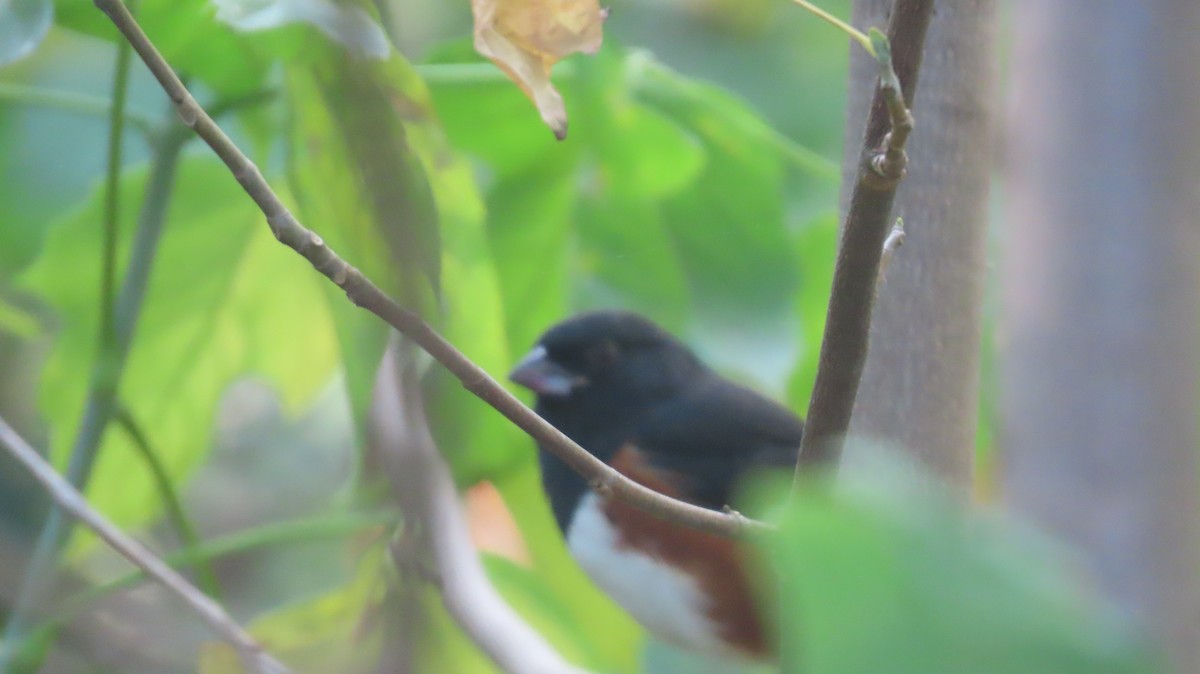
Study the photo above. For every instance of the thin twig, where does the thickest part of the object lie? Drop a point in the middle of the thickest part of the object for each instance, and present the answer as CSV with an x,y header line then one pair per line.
x,y
883,164
367,295
429,500
73,503
832,20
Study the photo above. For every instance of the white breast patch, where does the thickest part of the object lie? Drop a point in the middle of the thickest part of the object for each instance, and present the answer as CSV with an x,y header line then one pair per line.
x,y
666,602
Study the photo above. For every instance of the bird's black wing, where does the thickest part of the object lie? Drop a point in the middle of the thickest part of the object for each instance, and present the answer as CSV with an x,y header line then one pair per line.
x,y
714,434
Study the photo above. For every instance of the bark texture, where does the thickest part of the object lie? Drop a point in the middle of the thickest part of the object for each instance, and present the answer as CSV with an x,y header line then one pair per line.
x,y
1101,303
920,386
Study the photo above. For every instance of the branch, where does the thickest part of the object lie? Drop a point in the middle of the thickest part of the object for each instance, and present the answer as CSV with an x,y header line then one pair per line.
x,y
847,325
367,295
433,515
73,503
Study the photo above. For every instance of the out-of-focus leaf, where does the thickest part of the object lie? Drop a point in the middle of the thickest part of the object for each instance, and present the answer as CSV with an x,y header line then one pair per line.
x,y
478,442
348,25
379,182
225,300
525,38
189,37
720,116
646,154
16,321
614,635
490,120
360,185
340,631
730,229
529,228
663,165
545,612
23,26
484,116
628,257
889,574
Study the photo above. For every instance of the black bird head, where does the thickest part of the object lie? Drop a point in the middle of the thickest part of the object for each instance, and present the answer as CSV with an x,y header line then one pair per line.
x,y
605,361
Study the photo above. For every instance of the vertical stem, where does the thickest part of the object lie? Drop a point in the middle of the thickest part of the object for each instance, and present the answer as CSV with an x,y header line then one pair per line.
x,y
868,220
112,195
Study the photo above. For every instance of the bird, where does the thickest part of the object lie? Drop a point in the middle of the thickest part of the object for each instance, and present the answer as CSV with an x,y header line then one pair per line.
x,y
640,400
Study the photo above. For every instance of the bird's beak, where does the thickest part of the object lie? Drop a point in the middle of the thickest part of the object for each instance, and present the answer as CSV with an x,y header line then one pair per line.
x,y
543,376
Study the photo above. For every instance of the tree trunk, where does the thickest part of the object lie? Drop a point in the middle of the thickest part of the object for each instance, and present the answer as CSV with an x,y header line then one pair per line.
x,y
1101,309
920,387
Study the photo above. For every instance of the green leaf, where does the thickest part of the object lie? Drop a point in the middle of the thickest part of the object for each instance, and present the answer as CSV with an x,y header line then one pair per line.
x,y
485,116
380,184
225,301
646,154
529,230
350,26
361,188
188,35
529,596
719,116
16,321
339,631
23,26
890,574
613,636
478,441
627,256
494,121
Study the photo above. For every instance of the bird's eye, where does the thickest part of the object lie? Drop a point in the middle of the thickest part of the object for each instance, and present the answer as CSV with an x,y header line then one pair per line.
x,y
603,355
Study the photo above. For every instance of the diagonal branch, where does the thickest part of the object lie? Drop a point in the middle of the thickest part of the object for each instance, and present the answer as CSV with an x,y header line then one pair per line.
x,y
73,503
860,253
367,295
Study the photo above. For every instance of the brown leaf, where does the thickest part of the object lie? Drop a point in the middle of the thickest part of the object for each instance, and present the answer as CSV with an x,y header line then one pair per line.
x,y
525,38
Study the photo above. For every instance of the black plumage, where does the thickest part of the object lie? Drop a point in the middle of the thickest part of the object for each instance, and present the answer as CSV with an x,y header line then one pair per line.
x,y
613,378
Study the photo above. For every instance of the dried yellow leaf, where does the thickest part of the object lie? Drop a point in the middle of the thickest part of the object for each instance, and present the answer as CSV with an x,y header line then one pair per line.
x,y
525,38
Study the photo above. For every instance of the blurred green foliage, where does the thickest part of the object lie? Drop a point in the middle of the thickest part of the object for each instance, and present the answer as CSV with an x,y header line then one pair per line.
x,y
886,573
672,196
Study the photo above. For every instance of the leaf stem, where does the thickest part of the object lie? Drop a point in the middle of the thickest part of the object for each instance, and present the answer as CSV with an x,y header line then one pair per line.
x,y
853,32
112,197
279,533
71,102
205,576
